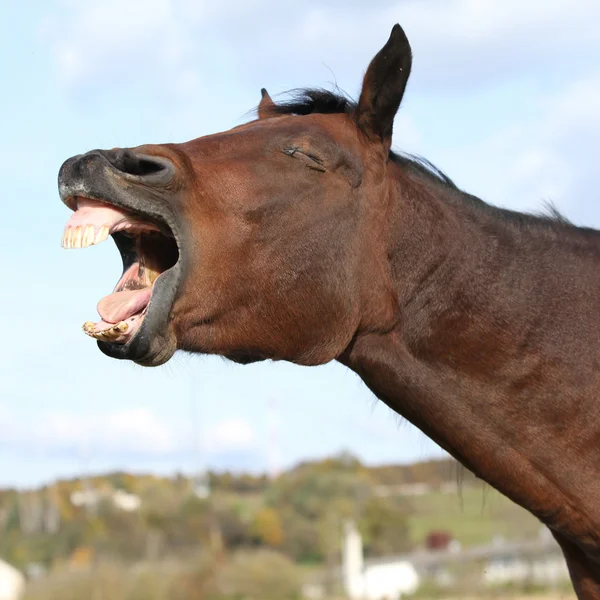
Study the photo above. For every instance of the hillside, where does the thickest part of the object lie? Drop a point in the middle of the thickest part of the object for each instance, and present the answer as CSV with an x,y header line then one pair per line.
x,y
135,517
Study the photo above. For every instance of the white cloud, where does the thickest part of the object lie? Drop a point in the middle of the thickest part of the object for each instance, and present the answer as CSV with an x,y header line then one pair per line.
x,y
549,156
134,431
178,44
209,13
121,42
465,42
232,434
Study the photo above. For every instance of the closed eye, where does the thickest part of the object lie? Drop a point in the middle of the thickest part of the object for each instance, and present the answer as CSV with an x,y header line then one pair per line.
x,y
310,160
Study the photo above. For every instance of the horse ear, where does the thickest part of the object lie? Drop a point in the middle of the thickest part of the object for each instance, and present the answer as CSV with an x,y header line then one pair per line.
x,y
383,87
266,105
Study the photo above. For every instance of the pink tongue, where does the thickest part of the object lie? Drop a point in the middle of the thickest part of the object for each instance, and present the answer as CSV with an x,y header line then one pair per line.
x,y
92,212
122,305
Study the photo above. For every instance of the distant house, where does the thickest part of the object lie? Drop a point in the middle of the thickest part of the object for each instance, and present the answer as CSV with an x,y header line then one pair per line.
x,y
125,501
384,580
406,489
438,540
12,582
91,498
538,560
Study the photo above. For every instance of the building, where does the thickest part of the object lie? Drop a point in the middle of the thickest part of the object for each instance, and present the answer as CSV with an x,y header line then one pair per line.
x,y
91,499
125,501
384,580
537,561
12,582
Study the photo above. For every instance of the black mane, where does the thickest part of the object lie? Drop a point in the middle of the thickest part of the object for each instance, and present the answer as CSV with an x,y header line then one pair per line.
x,y
306,101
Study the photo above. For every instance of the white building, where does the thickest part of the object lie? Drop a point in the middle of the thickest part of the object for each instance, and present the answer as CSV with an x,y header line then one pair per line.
x,y
125,501
540,562
532,561
12,582
89,498
537,560
382,581
92,498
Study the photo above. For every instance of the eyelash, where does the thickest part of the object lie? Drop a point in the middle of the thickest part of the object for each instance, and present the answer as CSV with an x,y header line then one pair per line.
x,y
317,162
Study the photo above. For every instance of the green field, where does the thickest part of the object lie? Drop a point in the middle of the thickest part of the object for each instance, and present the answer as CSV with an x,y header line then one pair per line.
x,y
474,515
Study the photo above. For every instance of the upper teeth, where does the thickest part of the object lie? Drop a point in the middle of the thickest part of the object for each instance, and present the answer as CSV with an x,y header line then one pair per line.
x,y
83,236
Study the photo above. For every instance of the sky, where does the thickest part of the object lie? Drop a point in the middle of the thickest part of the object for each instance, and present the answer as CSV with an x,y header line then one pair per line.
x,y
503,97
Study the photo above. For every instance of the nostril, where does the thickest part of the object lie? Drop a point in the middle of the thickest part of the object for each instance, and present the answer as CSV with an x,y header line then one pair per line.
x,y
141,165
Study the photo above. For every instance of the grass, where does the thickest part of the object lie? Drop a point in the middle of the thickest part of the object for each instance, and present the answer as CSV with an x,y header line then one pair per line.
x,y
474,515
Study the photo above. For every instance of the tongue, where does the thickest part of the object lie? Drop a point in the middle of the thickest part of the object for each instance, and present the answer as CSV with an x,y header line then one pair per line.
x,y
121,305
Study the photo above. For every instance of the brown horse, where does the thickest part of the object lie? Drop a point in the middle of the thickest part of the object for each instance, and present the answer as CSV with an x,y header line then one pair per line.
x,y
300,236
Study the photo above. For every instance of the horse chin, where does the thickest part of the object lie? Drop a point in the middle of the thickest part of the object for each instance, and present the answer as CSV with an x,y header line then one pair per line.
x,y
150,350
245,357
154,343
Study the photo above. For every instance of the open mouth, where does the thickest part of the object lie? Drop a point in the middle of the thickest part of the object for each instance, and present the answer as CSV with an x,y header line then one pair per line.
x,y
148,249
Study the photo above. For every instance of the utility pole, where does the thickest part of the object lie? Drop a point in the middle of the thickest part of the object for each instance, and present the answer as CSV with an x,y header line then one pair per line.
x,y
90,501
200,478
274,448
52,511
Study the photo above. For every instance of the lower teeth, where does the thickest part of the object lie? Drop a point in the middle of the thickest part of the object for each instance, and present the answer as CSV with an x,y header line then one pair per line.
x,y
109,334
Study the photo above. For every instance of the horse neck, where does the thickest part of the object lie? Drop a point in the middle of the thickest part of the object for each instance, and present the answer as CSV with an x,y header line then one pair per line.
x,y
463,362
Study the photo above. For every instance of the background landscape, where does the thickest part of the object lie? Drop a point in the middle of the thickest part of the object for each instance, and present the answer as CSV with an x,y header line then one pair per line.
x,y
264,536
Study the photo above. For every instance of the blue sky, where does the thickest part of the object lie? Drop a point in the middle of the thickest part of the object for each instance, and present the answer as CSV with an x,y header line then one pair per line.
x,y
504,97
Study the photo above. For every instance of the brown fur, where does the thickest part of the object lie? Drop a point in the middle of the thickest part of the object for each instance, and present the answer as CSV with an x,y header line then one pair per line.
x,y
306,241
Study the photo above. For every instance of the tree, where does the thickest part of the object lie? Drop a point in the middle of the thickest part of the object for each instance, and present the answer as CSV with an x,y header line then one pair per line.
x,y
384,526
266,527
